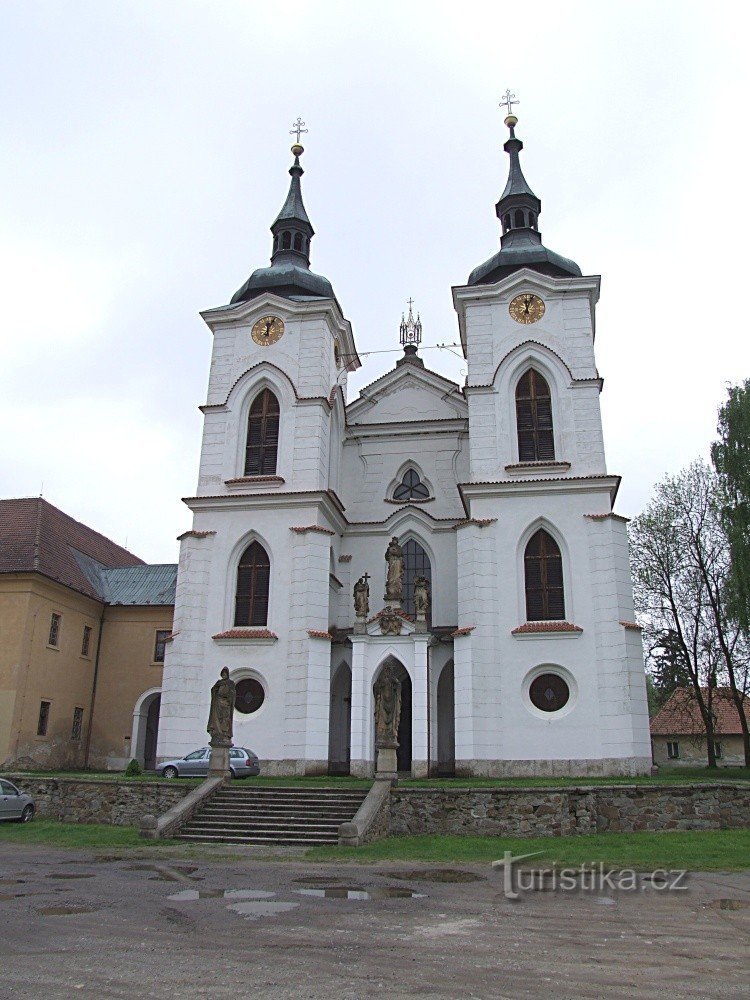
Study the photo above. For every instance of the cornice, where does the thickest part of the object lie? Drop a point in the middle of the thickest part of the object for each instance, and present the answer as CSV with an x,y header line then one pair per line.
x,y
543,484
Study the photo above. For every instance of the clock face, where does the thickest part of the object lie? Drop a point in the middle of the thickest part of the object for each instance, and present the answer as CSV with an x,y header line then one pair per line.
x,y
268,330
526,308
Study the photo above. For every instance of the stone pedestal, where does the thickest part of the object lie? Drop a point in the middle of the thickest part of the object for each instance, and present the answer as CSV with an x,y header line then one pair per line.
x,y
218,763
386,765
360,626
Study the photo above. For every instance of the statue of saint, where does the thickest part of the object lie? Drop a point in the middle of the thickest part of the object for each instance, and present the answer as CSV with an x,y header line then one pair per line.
x,y
223,694
394,581
387,707
421,597
362,597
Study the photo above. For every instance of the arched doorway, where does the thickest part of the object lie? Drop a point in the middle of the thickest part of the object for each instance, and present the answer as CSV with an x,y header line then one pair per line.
x,y
446,723
403,754
340,722
145,735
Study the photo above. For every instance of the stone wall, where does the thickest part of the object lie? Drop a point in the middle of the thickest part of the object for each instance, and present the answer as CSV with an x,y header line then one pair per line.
x,y
557,812
119,803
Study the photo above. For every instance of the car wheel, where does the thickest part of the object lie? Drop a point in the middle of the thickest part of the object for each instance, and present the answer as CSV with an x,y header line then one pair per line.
x,y
28,814
170,772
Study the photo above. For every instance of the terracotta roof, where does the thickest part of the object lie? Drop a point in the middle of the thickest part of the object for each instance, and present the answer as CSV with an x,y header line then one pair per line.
x,y
315,634
681,715
246,633
465,630
530,627
37,537
195,534
302,529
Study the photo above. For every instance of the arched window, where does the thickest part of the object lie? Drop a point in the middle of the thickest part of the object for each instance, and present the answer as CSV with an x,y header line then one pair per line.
x,y
253,577
536,442
532,220
411,487
519,218
507,221
543,573
262,435
416,563
286,241
298,241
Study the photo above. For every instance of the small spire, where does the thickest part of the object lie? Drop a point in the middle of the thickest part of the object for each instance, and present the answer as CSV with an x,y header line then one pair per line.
x,y
292,229
518,207
410,332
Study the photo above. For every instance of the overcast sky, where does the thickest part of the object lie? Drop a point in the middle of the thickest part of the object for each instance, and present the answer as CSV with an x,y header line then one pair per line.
x,y
145,154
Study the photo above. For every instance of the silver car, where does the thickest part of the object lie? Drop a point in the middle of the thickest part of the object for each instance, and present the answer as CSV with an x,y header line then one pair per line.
x,y
242,763
15,804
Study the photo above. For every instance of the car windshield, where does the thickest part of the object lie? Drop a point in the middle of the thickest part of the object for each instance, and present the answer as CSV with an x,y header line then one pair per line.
x,y
195,755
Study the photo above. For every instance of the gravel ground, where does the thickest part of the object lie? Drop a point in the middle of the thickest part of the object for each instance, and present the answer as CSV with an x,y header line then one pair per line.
x,y
83,924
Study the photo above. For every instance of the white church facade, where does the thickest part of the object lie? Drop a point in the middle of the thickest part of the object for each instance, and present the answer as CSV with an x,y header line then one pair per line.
x,y
528,661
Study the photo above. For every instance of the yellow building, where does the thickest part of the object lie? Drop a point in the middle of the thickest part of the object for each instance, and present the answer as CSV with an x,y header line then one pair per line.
x,y
83,627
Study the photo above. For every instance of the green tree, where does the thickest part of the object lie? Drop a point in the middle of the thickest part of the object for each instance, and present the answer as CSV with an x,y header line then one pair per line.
x,y
731,458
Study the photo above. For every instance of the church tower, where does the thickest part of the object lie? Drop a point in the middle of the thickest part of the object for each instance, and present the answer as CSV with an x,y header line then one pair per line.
x,y
549,671
253,588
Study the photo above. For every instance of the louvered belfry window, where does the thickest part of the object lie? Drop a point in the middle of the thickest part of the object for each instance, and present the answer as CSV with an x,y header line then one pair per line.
x,y
253,578
545,600
536,441
262,435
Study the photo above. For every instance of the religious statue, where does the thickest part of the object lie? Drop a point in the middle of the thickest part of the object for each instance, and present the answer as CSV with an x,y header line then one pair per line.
x,y
387,708
421,597
362,597
390,621
394,581
223,695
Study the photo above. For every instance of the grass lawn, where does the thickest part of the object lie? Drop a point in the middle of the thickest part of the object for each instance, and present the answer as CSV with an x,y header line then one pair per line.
x,y
703,850
51,833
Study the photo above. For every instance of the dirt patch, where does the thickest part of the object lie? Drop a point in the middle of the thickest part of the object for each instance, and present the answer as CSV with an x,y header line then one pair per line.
x,y
65,911
437,875
728,904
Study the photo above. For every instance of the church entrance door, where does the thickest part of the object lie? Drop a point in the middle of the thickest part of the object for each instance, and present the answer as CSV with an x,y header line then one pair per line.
x,y
340,722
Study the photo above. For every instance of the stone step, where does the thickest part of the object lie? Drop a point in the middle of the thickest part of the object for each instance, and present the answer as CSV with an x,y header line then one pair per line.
x,y
269,828
285,794
302,840
280,811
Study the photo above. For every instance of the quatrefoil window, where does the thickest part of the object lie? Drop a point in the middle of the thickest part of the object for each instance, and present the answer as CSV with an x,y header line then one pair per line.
x,y
411,487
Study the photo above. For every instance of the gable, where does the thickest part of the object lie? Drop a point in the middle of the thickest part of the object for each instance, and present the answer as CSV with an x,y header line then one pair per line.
x,y
408,394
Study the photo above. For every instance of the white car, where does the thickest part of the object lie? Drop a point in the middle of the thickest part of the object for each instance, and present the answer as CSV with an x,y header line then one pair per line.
x,y
15,804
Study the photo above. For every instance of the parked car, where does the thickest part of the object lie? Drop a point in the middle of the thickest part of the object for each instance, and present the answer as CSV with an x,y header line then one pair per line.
x,y
242,763
15,804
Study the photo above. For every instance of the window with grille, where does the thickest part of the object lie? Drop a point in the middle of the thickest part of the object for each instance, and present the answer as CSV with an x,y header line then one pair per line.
x,y
416,563
536,442
41,726
253,579
86,640
54,630
160,644
543,572
411,487
262,435
77,724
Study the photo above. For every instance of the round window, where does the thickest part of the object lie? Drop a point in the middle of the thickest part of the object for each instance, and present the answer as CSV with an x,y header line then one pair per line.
x,y
249,696
549,693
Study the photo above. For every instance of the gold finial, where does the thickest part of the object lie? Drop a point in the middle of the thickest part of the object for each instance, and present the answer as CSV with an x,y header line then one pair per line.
x,y
297,129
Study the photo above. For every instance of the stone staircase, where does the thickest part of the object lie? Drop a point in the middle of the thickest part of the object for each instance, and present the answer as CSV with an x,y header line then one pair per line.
x,y
247,814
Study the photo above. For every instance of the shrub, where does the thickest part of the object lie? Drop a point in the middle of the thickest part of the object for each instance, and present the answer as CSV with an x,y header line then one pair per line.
x,y
133,769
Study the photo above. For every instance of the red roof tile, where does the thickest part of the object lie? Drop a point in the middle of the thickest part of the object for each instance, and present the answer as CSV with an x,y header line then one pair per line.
x,y
681,715
246,633
530,627
37,537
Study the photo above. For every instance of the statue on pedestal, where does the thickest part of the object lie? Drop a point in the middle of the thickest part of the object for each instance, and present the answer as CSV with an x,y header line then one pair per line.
x,y
387,708
421,597
223,695
362,596
394,581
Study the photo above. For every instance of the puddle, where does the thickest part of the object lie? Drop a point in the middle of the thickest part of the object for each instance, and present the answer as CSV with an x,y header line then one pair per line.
x,y
189,895
728,904
67,875
348,892
167,873
64,911
605,901
253,911
437,875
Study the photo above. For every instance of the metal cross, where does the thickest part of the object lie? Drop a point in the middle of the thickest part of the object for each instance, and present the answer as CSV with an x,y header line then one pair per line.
x,y
508,101
411,303
365,577
297,127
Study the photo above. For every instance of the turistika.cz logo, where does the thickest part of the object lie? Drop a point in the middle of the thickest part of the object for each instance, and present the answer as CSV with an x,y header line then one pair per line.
x,y
593,877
